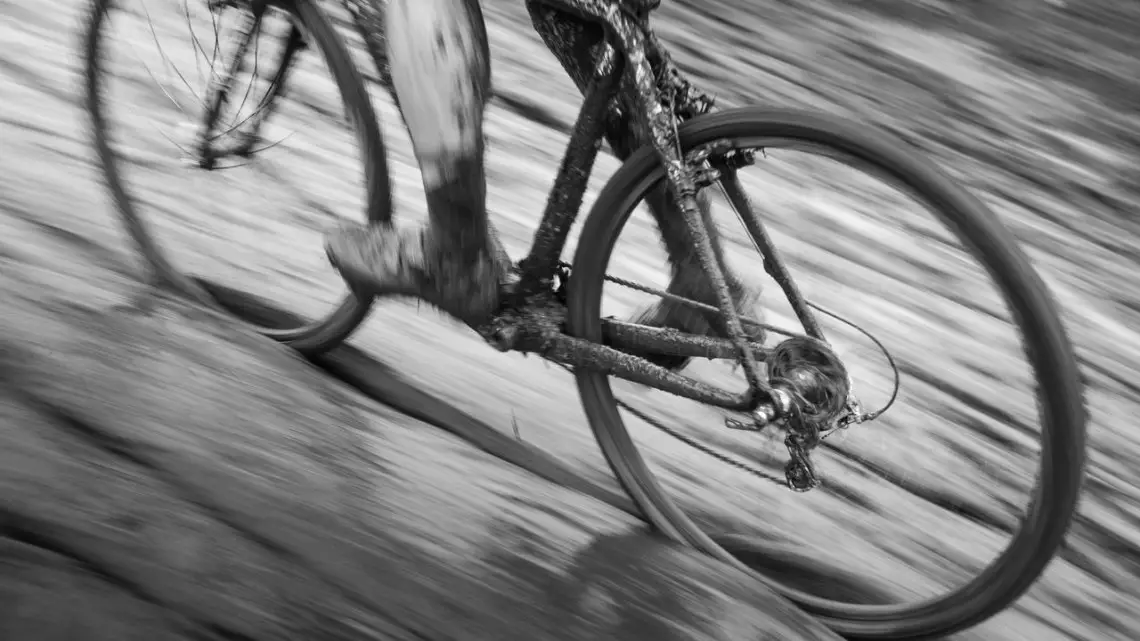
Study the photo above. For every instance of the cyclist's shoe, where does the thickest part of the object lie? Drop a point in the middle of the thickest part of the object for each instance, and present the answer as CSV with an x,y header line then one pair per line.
x,y
691,284
384,260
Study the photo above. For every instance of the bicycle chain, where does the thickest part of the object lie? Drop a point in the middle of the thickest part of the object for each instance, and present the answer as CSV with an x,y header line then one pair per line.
x,y
678,299
803,435
800,461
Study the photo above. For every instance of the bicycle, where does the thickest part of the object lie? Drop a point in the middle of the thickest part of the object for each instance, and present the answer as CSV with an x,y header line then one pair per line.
x,y
553,309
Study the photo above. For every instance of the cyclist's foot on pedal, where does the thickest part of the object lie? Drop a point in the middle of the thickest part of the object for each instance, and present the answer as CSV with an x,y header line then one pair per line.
x,y
385,260
673,315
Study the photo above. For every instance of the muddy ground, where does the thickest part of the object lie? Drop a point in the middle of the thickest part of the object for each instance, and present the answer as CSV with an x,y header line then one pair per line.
x,y
223,487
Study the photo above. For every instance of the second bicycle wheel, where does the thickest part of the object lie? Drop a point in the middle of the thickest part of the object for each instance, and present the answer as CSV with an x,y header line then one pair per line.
x,y
956,502
232,134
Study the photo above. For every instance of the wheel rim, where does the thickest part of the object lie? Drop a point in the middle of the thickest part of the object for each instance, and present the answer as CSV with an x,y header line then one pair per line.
x,y
856,620
312,335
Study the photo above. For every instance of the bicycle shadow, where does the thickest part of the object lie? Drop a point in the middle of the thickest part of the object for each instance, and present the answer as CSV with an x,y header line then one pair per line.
x,y
636,585
383,384
607,558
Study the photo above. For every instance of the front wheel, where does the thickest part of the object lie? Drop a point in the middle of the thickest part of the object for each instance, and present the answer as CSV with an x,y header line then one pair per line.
x,y
179,94
850,227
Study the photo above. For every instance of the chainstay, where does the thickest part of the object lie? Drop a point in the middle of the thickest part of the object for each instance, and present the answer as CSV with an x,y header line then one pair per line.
x,y
772,328
684,438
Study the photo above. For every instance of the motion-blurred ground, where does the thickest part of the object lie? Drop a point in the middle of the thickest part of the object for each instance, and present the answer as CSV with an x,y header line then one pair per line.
x,y
1030,104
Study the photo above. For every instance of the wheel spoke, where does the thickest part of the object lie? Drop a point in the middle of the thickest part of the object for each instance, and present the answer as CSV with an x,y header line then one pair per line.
x,y
162,52
173,200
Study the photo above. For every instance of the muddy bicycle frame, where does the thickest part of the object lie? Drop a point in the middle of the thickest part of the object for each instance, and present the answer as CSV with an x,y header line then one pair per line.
x,y
532,315
634,50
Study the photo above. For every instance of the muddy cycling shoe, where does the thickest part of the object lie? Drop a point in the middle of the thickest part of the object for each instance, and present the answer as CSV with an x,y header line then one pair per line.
x,y
386,261
673,315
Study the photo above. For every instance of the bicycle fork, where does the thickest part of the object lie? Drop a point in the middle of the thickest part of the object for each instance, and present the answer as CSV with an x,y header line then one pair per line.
x,y
218,91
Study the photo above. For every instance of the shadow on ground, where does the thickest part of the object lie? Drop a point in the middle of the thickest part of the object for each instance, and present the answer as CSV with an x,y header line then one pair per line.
x,y
168,474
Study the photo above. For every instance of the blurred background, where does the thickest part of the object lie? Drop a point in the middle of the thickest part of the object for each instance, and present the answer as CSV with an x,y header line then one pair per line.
x,y
1031,104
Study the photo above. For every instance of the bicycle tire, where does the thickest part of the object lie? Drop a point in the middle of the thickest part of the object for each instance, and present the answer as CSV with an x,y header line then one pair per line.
x,y
1049,351
331,329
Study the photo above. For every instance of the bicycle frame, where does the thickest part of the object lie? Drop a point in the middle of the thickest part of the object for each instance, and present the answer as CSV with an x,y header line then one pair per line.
x,y
631,50
532,318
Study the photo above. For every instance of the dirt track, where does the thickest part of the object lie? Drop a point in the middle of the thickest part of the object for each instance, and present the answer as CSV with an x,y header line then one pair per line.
x,y
1022,140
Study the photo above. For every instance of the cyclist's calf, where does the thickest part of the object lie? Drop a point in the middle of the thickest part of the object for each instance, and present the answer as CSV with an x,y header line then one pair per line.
x,y
441,74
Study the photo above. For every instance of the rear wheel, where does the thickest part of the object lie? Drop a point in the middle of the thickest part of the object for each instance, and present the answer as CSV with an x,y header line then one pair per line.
x,y
180,96
1052,373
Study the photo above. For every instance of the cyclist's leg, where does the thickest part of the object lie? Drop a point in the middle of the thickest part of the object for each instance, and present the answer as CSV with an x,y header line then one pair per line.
x,y
439,66
576,44
441,72
370,17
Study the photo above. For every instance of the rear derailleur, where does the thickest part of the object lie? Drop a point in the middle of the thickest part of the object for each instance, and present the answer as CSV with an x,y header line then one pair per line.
x,y
810,394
